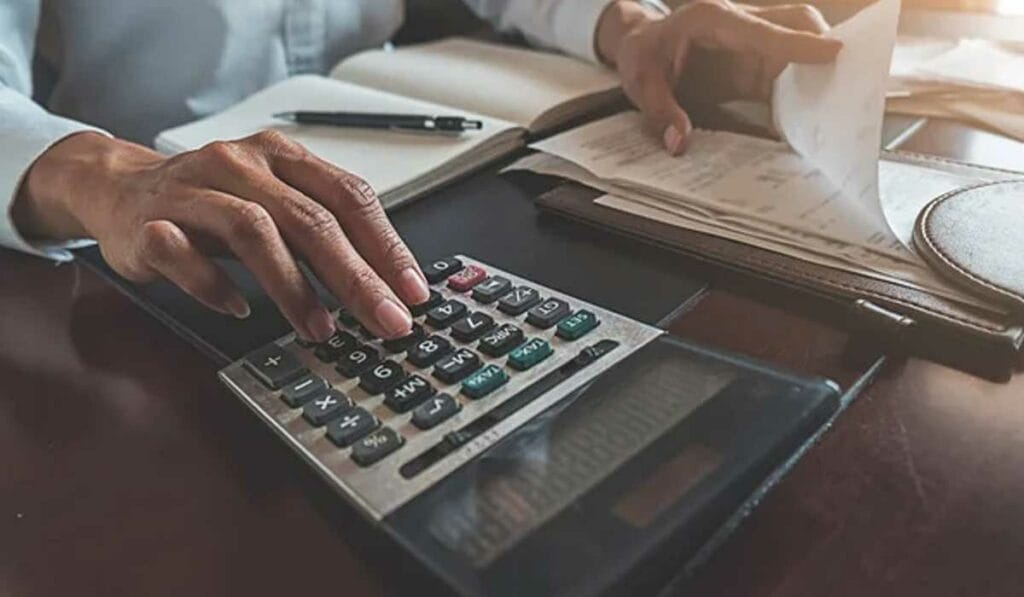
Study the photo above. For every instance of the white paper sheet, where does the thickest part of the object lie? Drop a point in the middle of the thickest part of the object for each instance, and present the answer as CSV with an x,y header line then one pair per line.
x,y
979,63
731,173
831,114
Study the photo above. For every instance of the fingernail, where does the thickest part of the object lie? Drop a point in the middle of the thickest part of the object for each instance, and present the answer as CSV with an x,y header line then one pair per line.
x,y
395,320
320,325
413,286
673,139
239,307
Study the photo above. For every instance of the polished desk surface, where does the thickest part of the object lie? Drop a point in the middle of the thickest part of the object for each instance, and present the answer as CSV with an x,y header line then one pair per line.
x,y
127,469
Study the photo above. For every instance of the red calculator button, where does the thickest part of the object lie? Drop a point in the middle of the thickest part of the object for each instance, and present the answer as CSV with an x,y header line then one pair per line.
x,y
470,276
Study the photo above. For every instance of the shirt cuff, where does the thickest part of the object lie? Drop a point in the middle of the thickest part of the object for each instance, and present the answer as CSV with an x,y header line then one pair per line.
x,y
24,145
576,27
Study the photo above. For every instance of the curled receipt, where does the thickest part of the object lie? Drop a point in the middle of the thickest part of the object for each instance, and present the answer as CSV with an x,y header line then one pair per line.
x,y
831,114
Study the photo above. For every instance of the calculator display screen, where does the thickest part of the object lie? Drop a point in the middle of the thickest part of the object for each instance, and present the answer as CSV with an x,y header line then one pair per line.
x,y
560,456
655,452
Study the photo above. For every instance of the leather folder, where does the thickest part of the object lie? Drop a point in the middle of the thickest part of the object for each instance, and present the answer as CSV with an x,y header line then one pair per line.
x,y
912,317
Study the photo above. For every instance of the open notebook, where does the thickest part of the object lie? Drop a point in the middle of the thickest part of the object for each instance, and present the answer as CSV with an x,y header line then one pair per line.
x,y
515,92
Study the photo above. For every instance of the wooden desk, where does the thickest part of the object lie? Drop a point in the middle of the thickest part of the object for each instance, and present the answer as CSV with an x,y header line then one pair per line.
x,y
128,470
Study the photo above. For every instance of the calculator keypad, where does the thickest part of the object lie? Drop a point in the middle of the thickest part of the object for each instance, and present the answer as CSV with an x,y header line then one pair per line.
x,y
361,407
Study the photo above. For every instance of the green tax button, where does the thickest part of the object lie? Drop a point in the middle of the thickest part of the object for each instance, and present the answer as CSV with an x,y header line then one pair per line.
x,y
529,354
576,325
484,381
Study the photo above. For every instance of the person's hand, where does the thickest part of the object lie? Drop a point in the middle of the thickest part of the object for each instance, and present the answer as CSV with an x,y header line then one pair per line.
x,y
263,198
708,50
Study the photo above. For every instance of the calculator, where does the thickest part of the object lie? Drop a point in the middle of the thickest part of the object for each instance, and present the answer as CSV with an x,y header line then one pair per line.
x,y
506,414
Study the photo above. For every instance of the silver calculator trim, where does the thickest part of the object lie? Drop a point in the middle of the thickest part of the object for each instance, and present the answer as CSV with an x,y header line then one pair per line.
x,y
379,489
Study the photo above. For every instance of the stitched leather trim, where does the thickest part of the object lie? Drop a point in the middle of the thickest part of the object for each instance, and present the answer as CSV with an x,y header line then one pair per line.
x,y
923,231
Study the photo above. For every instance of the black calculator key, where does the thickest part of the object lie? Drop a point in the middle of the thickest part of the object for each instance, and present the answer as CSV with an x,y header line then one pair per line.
x,y
320,410
304,389
441,269
435,410
405,342
304,343
375,446
492,289
366,333
347,319
444,314
472,326
350,426
548,313
334,346
519,300
434,300
382,377
499,342
274,366
357,361
428,350
410,393
454,367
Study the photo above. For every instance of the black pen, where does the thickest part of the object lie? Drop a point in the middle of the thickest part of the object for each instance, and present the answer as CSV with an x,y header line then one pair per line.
x,y
366,120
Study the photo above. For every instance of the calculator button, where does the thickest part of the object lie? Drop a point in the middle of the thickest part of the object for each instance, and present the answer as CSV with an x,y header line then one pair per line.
x,y
492,289
404,343
274,366
498,342
470,276
518,300
350,426
548,313
444,314
357,361
484,381
408,394
435,410
576,325
376,445
472,326
434,300
347,319
320,410
428,351
456,366
302,390
382,377
529,354
304,343
441,269
366,333
334,346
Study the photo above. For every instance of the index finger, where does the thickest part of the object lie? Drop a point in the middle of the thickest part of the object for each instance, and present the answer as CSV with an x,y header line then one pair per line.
x,y
355,204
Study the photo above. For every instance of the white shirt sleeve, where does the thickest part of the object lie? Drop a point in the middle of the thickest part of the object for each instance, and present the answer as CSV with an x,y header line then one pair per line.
x,y
568,25
26,129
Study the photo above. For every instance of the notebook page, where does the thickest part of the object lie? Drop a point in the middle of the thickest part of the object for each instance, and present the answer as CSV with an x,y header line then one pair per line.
x,y
513,84
386,159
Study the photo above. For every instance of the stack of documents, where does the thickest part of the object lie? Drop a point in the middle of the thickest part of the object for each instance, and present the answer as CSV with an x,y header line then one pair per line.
x,y
822,196
972,80
754,191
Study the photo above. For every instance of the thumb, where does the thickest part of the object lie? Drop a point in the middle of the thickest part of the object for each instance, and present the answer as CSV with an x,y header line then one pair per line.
x,y
663,110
